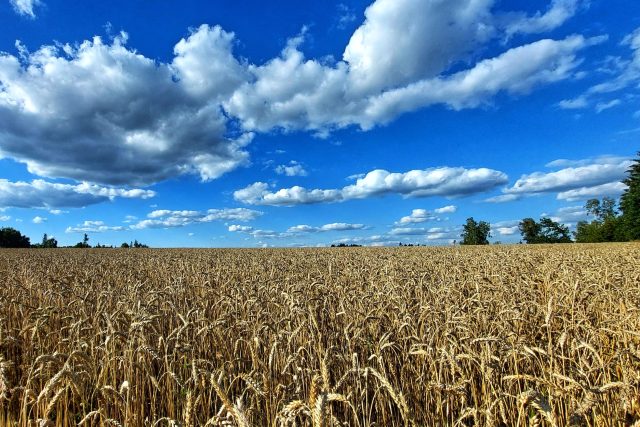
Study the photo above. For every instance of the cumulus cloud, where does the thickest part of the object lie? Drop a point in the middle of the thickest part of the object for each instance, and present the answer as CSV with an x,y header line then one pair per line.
x,y
43,194
612,189
292,169
606,170
104,113
171,219
418,216
93,227
442,181
5,217
446,209
38,220
336,226
568,214
25,7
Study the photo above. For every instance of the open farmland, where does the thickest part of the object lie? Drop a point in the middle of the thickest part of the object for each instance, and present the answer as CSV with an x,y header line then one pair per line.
x,y
487,336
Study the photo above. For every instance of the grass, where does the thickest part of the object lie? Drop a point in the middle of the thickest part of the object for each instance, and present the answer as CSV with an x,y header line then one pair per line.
x,y
486,336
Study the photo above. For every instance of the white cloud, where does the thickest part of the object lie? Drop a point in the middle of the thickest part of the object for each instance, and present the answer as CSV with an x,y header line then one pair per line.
x,y
93,227
568,215
622,74
602,106
336,226
292,169
612,189
442,181
25,7
61,110
607,170
446,209
558,12
171,219
502,198
507,231
43,194
240,228
5,217
57,212
38,220
61,107
418,216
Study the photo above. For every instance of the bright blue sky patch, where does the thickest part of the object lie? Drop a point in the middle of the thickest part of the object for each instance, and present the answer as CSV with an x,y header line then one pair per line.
x,y
215,124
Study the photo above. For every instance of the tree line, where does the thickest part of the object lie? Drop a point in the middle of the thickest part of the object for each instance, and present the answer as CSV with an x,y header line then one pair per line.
x,y
12,238
612,221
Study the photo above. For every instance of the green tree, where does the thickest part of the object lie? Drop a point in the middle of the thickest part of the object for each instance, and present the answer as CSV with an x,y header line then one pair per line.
x,y
530,230
12,238
475,233
630,201
545,231
84,244
607,225
48,242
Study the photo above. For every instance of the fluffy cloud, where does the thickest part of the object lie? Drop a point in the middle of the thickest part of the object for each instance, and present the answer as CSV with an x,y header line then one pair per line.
x,y
612,189
5,217
443,181
585,178
42,194
292,169
104,113
38,220
25,7
336,226
171,219
418,216
446,209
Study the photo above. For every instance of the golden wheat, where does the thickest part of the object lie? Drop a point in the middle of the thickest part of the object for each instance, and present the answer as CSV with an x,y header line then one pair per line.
x,y
484,336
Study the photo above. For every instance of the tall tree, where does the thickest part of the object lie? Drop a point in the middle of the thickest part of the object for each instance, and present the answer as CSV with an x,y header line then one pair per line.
x,y
12,238
630,201
475,233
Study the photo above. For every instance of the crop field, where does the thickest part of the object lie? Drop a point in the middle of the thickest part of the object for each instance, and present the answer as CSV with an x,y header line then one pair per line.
x,y
468,336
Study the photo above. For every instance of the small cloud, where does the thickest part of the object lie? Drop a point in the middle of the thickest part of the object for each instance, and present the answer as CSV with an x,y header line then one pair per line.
x,y
5,217
57,212
446,209
25,7
38,220
293,169
602,106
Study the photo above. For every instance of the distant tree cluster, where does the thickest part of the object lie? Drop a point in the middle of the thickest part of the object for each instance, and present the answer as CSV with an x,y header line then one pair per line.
x,y
613,222
344,245
12,238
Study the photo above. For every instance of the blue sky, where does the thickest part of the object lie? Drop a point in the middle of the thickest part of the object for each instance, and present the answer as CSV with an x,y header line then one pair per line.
x,y
218,124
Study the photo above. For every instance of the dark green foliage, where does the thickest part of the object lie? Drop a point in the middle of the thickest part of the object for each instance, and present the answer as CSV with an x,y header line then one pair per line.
x,y
475,233
84,244
47,243
12,238
545,231
607,226
630,201
134,244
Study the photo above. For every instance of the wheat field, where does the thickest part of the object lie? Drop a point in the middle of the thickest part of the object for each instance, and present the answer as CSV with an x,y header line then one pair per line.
x,y
460,336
